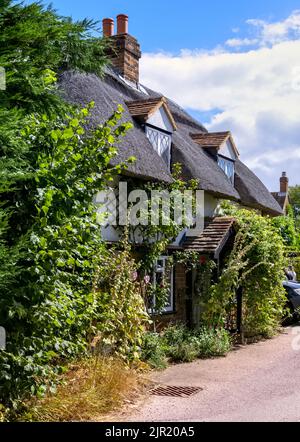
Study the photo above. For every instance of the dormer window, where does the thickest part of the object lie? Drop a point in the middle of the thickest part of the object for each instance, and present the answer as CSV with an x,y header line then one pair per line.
x,y
222,147
154,114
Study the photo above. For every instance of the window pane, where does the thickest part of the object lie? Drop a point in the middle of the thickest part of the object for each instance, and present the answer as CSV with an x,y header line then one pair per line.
x,y
162,276
227,166
161,142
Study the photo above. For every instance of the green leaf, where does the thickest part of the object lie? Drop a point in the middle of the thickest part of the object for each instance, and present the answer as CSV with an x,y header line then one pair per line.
x,y
68,133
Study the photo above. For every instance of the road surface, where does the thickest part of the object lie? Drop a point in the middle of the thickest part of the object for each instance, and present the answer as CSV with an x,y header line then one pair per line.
x,y
258,382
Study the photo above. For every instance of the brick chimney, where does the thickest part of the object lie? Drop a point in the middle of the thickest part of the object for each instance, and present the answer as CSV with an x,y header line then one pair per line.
x,y
125,53
284,183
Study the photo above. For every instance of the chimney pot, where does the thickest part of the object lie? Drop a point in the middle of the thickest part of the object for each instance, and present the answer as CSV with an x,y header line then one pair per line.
x,y
125,52
108,27
122,21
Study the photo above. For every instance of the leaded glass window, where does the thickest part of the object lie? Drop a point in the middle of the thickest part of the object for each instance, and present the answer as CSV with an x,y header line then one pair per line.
x,y
161,142
227,166
163,275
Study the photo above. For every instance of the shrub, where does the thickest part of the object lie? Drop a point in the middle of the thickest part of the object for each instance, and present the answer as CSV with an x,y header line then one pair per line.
x,y
154,350
121,315
50,309
213,342
175,334
186,351
180,344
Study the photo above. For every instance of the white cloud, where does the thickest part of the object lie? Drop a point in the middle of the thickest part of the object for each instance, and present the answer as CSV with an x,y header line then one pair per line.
x,y
256,93
271,33
239,42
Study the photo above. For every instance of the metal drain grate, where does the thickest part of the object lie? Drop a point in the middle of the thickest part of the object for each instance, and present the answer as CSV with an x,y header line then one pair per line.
x,y
168,390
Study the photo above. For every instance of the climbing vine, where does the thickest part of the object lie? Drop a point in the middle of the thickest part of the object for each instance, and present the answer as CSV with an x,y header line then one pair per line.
x,y
256,264
154,239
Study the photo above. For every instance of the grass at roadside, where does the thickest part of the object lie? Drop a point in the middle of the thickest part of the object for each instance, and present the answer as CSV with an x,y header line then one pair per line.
x,y
90,388
97,386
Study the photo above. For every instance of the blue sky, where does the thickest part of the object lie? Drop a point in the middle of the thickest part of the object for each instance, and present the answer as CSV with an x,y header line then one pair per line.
x,y
234,65
171,25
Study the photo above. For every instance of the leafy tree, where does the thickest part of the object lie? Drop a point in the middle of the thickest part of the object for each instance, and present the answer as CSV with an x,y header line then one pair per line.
x,y
287,228
49,307
294,193
50,171
36,44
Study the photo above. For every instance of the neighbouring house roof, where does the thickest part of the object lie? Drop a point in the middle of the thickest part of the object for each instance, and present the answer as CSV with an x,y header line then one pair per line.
x,y
110,91
282,199
213,238
214,140
143,109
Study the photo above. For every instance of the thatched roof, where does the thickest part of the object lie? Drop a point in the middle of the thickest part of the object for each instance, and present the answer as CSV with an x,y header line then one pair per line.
x,y
253,192
197,163
107,94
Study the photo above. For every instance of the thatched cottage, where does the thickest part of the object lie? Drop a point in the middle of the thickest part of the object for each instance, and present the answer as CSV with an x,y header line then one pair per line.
x,y
164,134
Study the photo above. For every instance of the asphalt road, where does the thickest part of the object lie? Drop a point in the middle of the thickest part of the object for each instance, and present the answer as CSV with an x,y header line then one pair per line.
x,y
258,382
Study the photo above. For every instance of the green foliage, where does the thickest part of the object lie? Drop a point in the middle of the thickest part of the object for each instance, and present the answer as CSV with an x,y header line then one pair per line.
x,y
35,45
156,238
294,194
286,228
121,317
187,345
154,351
179,344
256,263
204,268
213,342
50,171
48,305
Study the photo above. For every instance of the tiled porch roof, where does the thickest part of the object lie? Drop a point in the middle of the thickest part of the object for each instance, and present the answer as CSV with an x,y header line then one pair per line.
x,y
213,238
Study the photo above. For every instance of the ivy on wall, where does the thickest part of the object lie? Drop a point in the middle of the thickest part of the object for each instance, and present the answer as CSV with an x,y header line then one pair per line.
x,y
155,238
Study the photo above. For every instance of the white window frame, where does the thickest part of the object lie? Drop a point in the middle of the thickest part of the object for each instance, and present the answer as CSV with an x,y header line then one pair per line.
x,y
169,308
